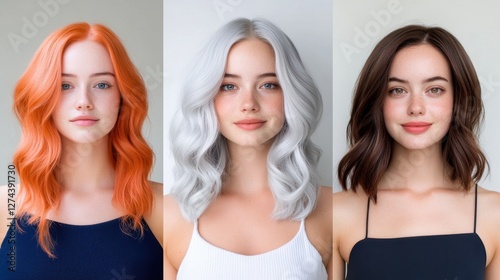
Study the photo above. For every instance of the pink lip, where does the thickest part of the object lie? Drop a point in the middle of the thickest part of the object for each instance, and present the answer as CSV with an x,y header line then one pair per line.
x,y
84,120
416,127
250,124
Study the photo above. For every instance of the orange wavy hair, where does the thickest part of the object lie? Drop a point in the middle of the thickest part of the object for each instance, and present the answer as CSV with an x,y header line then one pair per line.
x,y
35,97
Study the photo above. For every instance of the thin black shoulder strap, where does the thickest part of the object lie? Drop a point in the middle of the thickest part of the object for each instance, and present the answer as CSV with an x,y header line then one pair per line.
x,y
475,210
367,215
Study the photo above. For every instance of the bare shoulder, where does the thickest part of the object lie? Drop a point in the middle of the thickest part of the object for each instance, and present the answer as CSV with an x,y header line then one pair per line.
x,y
489,196
174,222
349,216
157,189
318,225
177,232
321,217
319,221
348,203
172,213
323,209
488,227
489,207
155,220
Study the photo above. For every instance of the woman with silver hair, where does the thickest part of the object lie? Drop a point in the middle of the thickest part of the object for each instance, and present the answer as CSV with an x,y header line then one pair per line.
x,y
246,200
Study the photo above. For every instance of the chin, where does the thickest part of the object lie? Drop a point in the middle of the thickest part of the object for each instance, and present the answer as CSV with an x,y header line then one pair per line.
x,y
416,146
87,138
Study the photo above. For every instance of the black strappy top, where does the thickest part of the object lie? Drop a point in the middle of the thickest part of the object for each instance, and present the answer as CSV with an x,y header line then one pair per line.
x,y
434,257
83,252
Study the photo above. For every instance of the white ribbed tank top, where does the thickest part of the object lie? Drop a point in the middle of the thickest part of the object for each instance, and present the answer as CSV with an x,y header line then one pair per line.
x,y
297,260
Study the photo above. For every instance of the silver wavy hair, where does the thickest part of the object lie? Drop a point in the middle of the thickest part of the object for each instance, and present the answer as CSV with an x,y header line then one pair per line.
x,y
200,151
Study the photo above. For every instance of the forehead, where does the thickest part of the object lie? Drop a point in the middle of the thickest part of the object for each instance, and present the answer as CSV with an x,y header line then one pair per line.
x,y
423,59
251,51
86,57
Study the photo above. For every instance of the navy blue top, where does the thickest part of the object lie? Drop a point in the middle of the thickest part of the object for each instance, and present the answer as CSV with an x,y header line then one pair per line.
x,y
99,251
434,257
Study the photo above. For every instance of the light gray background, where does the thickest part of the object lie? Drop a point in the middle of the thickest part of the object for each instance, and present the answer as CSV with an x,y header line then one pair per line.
x,y
138,25
475,23
188,24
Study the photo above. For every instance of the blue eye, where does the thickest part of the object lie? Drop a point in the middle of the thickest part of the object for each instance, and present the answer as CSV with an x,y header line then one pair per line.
x,y
227,87
103,85
65,86
270,86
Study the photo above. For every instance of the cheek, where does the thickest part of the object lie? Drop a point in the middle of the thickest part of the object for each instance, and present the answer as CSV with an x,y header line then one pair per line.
x,y
112,102
277,120
388,112
116,105
277,107
113,113
280,112
220,108
59,111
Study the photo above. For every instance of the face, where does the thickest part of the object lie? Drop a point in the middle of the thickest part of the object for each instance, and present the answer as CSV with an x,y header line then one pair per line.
x,y
249,104
89,103
419,103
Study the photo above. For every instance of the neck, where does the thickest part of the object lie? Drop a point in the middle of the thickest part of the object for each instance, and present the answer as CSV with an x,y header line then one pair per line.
x,y
247,169
85,167
416,170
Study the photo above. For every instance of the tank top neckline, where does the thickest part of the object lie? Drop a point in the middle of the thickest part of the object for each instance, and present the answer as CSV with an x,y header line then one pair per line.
x,y
430,236
103,223
272,251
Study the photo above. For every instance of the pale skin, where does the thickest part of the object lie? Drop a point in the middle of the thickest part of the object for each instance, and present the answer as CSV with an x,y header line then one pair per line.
x,y
240,218
85,171
416,196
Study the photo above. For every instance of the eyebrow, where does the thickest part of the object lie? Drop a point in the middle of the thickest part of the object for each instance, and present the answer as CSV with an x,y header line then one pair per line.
x,y
228,75
93,75
432,79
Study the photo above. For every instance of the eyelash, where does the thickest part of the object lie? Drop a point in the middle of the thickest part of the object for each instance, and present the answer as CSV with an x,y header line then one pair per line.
x,y
106,84
66,84
273,86
441,90
393,91
224,87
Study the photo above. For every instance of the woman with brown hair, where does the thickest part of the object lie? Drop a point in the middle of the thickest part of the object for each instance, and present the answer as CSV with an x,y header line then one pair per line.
x,y
411,207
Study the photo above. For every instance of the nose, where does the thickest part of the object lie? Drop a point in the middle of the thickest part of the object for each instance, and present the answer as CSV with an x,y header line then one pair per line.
x,y
249,102
84,100
416,105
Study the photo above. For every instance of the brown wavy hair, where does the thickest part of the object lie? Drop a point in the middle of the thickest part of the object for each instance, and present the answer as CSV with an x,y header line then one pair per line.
x,y
38,154
371,145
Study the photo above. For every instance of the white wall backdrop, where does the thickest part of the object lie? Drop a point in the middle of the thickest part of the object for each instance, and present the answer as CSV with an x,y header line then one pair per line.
x,y
25,24
359,25
188,24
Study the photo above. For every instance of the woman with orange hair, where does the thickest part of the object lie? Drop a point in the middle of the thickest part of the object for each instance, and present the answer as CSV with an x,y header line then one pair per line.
x,y
85,208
